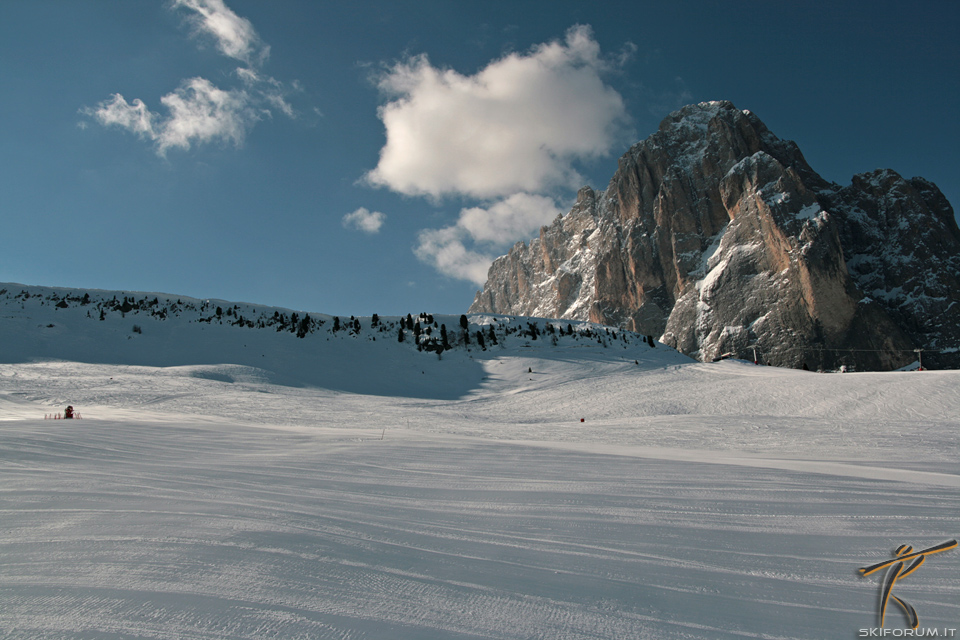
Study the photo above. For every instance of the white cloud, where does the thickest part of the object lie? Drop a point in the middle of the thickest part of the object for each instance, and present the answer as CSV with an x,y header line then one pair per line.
x,y
517,216
516,125
235,36
199,113
272,91
364,220
445,251
133,117
508,134
494,228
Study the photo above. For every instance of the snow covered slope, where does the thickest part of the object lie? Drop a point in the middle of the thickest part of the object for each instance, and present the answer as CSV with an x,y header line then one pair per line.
x,y
232,482
294,348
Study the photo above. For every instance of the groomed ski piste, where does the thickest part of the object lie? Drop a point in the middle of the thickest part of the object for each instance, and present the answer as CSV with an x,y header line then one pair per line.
x,y
231,481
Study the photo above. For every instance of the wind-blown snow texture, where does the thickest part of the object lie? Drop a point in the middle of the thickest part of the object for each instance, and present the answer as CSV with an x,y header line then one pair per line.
x,y
234,482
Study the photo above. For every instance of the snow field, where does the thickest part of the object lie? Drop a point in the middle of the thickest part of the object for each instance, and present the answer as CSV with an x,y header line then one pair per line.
x,y
228,482
227,531
190,506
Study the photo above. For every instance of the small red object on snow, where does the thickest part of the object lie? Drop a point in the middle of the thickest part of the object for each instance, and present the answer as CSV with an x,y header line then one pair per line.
x,y
581,419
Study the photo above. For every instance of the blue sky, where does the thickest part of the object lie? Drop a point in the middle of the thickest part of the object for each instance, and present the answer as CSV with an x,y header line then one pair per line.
x,y
372,157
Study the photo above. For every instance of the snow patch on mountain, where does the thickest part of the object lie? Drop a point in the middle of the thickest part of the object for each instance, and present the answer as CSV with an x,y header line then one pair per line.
x,y
713,179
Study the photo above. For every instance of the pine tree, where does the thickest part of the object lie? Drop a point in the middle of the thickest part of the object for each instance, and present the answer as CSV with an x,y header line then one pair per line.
x,y
443,337
304,328
400,334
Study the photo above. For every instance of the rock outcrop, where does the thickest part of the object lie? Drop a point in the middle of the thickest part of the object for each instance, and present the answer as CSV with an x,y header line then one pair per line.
x,y
719,237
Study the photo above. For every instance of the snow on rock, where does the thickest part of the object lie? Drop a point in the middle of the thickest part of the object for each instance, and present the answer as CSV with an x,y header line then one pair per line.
x,y
712,171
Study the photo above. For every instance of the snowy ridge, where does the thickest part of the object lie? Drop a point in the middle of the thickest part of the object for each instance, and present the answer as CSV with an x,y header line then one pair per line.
x,y
291,347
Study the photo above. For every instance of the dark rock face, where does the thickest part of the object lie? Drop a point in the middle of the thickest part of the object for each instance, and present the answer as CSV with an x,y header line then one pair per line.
x,y
719,237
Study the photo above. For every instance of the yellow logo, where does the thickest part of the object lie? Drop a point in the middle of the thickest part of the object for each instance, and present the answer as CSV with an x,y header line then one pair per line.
x,y
904,553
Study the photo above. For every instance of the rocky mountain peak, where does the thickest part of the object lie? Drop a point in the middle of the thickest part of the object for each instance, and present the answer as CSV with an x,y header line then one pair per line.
x,y
719,237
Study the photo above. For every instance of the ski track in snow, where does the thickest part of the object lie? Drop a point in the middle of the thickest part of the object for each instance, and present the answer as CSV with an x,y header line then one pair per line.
x,y
694,501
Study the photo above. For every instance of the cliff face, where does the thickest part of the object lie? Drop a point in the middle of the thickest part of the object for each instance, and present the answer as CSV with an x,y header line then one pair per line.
x,y
719,237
